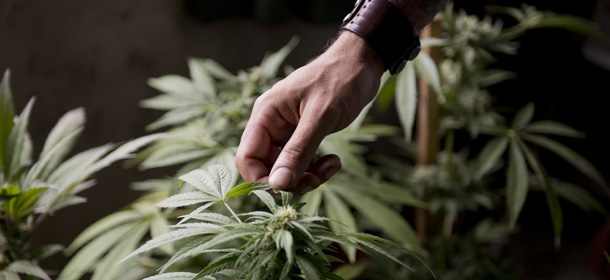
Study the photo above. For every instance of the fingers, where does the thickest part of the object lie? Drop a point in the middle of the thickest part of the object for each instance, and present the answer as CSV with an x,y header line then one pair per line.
x,y
272,150
318,173
298,153
253,154
325,167
256,155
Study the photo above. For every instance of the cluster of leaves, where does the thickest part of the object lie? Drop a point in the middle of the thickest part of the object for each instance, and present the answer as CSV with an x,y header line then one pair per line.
x,y
206,115
208,112
470,46
474,253
466,178
32,190
280,244
358,191
465,73
450,187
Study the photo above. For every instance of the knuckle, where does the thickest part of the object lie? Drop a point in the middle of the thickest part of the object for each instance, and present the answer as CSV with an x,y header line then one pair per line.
x,y
327,118
261,101
266,103
296,153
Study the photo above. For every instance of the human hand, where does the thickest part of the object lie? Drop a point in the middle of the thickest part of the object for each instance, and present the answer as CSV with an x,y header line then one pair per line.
x,y
290,120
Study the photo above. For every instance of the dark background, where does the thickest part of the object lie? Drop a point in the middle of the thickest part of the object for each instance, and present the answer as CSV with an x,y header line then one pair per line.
x,y
98,55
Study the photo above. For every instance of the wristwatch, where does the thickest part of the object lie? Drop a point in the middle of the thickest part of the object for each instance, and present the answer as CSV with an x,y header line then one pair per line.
x,y
386,29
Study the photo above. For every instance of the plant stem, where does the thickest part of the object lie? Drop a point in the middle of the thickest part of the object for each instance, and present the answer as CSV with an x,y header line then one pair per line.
x,y
39,220
232,212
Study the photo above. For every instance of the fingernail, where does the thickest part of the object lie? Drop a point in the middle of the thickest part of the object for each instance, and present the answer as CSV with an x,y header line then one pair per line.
x,y
282,177
330,172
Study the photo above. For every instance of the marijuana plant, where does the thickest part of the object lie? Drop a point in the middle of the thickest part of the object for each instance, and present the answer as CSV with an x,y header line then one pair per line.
x,y
495,167
280,244
211,131
206,114
32,190
357,186
467,104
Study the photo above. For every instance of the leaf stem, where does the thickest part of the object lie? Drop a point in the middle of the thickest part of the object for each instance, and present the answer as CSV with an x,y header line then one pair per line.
x,y
232,212
36,223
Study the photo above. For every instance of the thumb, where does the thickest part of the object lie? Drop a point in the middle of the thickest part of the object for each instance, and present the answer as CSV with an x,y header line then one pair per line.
x,y
297,154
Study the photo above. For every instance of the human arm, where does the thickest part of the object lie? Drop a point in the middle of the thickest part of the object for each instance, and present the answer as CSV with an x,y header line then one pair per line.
x,y
289,121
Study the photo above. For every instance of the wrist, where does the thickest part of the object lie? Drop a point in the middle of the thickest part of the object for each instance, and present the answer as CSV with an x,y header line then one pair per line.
x,y
352,47
386,29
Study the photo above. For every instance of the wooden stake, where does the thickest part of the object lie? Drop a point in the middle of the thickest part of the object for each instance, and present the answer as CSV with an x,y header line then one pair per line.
x,y
428,142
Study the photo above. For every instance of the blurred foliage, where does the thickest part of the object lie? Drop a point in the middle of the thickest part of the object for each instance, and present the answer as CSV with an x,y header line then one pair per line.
x,y
487,165
32,190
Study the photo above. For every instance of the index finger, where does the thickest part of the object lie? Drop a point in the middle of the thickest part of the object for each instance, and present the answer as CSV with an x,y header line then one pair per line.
x,y
254,149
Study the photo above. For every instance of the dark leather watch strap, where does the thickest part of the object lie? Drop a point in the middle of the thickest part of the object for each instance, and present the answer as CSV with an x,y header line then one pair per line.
x,y
387,30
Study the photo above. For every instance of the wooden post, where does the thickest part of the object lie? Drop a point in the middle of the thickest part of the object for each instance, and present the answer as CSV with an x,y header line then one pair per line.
x,y
428,142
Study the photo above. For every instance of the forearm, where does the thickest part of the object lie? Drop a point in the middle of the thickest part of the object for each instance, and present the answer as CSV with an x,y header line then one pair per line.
x,y
419,12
